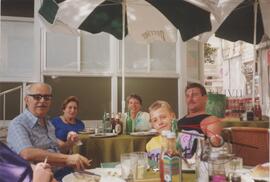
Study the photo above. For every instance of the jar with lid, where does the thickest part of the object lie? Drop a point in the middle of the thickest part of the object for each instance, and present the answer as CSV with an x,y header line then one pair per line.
x,y
219,157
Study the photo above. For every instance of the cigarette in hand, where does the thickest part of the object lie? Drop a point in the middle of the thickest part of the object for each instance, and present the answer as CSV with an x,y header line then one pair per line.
x,y
45,161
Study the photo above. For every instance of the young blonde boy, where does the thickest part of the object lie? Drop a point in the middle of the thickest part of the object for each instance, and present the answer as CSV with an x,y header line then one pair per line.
x,y
161,117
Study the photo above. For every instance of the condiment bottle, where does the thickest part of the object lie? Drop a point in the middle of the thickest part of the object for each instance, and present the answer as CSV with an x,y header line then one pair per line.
x,y
172,160
118,124
163,142
129,124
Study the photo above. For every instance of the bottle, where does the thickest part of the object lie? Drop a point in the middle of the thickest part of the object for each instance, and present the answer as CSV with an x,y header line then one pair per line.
x,y
118,124
104,122
129,124
123,120
172,160
162,152
113,122
201,158
107,123
257,110
218,159
174,127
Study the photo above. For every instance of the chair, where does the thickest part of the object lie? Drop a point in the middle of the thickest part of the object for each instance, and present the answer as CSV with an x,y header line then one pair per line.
x,y
250,143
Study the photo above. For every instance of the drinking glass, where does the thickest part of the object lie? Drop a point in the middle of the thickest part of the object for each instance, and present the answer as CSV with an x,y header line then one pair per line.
x,y
236,163
128,166
142,164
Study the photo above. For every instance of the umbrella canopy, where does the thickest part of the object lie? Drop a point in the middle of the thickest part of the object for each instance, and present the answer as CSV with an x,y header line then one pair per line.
x,y
241,24
145,20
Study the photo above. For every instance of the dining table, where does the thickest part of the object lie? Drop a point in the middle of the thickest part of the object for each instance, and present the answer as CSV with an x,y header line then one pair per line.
x,y
109,149
154,176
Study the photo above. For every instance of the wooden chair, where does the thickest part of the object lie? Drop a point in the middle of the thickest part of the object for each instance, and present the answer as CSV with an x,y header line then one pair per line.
x,y
250,143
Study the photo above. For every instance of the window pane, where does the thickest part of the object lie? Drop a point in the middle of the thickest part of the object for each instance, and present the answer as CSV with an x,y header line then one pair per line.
x,y
61,52
151,89
163,57
94,95
135,56
193,60
95,52
17,55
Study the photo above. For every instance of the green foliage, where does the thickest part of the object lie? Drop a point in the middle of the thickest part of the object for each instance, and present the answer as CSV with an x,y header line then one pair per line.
x,y
209,53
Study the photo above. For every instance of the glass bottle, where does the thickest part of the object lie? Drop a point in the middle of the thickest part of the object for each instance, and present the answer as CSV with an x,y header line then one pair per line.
x,y
217,162
172,160
258,110
174,127
113,122
104,122
118,124
201,158
107,123
163,142
129,124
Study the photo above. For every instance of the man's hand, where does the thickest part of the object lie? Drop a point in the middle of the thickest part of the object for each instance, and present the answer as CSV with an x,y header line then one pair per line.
x,y
78,161
42,173
72,138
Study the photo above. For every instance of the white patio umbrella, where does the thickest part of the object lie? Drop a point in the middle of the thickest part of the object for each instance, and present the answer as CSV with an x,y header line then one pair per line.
x,y
144,20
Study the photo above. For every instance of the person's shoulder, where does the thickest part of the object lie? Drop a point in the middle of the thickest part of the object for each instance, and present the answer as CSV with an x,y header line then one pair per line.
x,y
153,143
155,139
20,119
145,115
211,120
80,122
56,120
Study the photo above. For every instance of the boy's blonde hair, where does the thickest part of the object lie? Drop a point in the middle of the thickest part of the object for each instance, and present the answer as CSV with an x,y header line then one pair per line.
x,y
160,104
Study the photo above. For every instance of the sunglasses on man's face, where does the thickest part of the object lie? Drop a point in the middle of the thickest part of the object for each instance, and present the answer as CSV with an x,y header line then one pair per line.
x,y
38,97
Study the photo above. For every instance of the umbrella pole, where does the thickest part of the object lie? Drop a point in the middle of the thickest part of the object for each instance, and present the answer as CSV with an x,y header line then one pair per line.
x,y
254,51
123,55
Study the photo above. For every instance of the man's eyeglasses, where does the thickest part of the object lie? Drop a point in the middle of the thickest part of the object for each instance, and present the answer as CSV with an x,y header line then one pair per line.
x,y
39,97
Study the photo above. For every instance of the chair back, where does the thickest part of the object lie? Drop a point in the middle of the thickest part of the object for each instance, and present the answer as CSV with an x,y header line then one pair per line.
x,y
250,143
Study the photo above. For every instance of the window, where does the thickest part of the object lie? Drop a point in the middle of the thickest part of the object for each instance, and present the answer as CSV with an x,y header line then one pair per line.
x,y
94,94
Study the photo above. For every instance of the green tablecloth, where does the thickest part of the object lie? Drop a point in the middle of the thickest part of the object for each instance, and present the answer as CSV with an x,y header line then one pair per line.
x,y
109,149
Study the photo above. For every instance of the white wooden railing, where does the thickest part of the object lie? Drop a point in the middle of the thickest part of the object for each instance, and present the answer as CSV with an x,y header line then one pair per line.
x,y
4,93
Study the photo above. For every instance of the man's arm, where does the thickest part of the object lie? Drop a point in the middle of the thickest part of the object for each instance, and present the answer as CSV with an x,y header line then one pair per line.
x,y
66,146
212,128
55,159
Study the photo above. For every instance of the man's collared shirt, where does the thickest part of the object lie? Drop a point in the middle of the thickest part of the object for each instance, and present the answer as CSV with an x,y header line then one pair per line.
x,y
25,131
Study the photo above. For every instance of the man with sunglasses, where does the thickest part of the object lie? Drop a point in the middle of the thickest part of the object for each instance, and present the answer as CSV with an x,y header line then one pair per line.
x,y
32,136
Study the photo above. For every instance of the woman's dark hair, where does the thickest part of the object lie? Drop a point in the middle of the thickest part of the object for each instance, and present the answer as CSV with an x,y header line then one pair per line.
x,y
196,85
68,100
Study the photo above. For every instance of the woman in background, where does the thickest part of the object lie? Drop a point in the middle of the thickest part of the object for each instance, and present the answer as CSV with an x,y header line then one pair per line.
x,y
136,119
68,122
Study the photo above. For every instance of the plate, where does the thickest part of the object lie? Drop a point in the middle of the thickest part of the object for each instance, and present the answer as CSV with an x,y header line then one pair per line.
x,y
80,178
115,172
143,133
261,179
86,132
107,174
103,135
